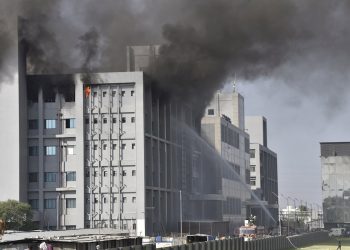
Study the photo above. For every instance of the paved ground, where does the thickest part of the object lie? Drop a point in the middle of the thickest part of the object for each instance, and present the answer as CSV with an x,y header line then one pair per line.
x,y
330,245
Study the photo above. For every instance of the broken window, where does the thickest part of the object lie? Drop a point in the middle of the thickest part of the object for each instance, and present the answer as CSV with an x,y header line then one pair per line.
x,y
49,94
33,124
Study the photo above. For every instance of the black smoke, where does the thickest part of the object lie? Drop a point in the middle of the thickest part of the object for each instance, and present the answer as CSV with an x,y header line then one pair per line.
x,y
205,42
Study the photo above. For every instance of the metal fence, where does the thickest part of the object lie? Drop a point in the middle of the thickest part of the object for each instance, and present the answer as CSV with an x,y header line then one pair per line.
x,y
271,243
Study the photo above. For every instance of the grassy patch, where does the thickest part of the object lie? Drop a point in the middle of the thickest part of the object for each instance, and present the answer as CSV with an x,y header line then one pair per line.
x,y
330,245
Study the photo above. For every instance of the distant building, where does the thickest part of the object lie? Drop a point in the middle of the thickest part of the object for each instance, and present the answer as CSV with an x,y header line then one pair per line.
x,y
223,128
335,166
263,172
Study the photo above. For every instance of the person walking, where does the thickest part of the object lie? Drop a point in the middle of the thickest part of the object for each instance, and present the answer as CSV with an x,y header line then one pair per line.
x,y
339,245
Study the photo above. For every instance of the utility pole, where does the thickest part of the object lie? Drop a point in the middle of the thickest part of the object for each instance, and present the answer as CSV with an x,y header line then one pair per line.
x,y
181,214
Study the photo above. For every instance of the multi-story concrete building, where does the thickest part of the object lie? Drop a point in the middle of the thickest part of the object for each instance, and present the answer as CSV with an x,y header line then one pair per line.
x,y
335,166
263,172
226,134
108,153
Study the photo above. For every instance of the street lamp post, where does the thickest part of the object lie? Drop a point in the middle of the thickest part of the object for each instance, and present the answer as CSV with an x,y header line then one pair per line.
x,y
181,214
295,215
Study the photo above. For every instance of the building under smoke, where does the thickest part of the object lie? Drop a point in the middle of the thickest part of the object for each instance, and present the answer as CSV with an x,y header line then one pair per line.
x,y
263,172
223,128
112,150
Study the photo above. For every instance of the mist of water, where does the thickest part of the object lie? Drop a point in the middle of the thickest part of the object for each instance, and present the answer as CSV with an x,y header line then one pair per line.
x,y
208,150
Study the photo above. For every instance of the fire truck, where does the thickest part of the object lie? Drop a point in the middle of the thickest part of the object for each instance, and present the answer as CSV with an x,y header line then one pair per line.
x,y
250,231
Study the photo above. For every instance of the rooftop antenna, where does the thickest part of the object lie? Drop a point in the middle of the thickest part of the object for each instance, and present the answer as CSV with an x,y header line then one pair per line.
x,y
234,84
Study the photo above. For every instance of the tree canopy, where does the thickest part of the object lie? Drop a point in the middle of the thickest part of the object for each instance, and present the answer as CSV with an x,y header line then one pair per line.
x,y
17,215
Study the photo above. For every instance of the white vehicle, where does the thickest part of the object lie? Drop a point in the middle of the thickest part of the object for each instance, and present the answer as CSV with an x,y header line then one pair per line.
x,y
337,231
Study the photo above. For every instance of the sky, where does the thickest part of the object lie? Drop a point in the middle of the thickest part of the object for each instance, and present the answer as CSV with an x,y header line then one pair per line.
x,y
296,124
290,57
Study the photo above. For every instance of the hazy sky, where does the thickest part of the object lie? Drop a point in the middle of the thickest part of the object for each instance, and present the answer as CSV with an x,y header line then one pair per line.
x,y
296,124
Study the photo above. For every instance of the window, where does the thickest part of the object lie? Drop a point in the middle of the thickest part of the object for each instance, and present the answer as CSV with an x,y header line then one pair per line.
x,y
95,200
104,120
210,111
33,124
124,199
132,119
252,153
49,95
104,93
33,177
133,146
105,173
114,120
95,120
50,150
34,203
134,226
50,177
113,93
95,173
87,173
33,151
70,227
50,203
104,146
123,120
132,92
252,168
50,124
123,146
114,146
114,173
104,200
133,172
114,199
70,203
70,123
124,173
71,176
95,147
252,180
123,93
70,150
133,199
94,94
87,120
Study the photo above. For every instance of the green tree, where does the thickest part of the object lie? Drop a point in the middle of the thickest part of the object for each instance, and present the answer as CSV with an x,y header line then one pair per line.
x,y
17,215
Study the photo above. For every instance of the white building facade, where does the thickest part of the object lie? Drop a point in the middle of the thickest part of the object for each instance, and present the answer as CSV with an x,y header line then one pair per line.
x,y
226,134
263,172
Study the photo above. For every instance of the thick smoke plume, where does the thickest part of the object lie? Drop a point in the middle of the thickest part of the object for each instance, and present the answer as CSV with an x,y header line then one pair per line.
x,y
205,42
